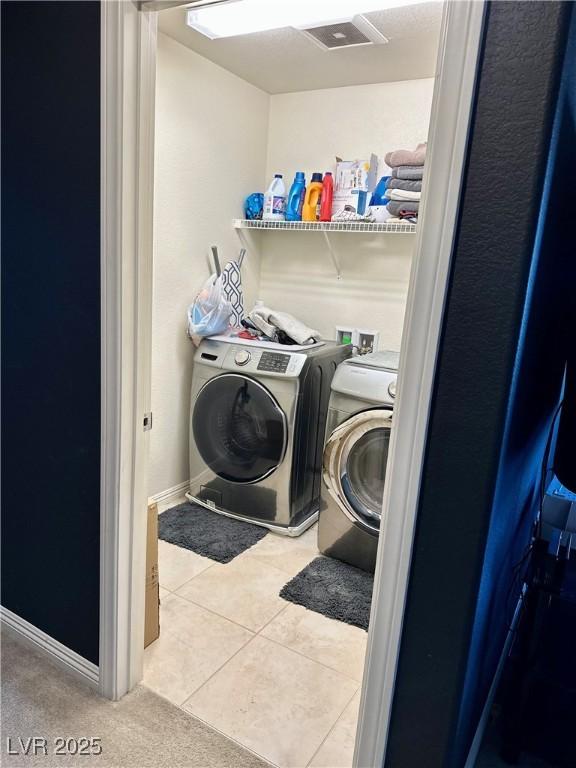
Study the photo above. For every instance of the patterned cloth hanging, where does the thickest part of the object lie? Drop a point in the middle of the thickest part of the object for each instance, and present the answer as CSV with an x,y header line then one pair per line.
x,y
232,283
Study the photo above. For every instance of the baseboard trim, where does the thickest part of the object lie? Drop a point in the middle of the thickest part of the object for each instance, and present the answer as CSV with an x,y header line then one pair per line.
x,y
63,656
171,493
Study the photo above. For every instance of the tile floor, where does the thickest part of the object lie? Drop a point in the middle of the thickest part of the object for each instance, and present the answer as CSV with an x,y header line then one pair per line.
x,y
279,679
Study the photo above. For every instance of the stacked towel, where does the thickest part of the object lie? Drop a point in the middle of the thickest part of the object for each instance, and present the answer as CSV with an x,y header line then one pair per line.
x,y
405,185
409,186
414,172
401,157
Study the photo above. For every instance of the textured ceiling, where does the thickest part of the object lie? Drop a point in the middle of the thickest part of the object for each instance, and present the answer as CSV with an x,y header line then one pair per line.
x,y
284,60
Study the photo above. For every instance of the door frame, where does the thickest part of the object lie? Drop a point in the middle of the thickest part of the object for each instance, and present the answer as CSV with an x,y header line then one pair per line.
x,y
457,67
128,82
128,71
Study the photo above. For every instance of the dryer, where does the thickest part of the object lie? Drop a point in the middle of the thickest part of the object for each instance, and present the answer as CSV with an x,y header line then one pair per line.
x,y
257,424
355,455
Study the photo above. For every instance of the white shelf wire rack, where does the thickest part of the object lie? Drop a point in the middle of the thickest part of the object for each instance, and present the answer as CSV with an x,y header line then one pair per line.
x,y
391,228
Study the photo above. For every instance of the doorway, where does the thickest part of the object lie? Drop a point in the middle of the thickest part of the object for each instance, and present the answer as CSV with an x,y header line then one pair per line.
x,y
346,694
235,650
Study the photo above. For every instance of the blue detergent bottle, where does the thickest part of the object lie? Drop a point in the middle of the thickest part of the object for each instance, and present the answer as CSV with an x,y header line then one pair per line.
x,y
296,198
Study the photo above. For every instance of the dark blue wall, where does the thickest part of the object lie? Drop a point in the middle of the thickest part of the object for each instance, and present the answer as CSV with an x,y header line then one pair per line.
x,y
497,384
51,318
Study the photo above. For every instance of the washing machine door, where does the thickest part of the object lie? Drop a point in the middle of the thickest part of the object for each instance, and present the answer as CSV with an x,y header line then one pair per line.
x,y
239,428
354,468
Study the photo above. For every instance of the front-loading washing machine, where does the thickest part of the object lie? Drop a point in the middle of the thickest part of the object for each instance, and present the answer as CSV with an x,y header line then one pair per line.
x,y
257,425
355,455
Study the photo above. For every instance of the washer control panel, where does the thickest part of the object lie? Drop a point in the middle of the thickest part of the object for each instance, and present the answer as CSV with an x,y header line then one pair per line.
x,y
251,359
273,362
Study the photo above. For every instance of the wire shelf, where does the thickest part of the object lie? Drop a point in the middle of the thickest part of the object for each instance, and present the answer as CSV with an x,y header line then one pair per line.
x,y
327,226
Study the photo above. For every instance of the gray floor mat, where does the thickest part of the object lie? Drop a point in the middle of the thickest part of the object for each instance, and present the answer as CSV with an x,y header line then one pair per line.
x,y
207,533
334,589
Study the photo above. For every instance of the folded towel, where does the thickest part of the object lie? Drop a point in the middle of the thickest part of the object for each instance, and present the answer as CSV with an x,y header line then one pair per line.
x,y
270,321
408,172
396,207
401,194
409,186
406,156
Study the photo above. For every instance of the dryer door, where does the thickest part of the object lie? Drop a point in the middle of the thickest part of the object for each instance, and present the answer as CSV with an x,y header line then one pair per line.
x,y
355,465
239,428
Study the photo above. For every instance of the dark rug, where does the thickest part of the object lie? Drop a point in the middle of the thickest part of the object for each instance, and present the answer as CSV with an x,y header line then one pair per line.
x,y
334,589
207,533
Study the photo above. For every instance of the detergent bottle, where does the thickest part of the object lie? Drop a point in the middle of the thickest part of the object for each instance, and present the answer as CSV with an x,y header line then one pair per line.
x,y
312,198
296,198
275,200
325,213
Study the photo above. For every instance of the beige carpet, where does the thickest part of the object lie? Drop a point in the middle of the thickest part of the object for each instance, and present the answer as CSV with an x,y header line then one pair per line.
x,y
141,730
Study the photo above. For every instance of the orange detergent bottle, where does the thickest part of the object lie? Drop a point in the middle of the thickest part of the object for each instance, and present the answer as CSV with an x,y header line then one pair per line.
x,y
312,198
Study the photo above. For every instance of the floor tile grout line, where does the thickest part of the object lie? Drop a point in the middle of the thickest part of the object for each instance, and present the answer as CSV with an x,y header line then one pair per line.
x,y
303,655
212,727
258,633
266,565
335,724
189,695
280,612
221,616
208,567
228,736
217,615
244,645
215,672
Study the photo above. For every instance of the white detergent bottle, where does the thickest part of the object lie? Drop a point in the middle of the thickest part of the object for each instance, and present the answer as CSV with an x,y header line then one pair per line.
x,y
275,200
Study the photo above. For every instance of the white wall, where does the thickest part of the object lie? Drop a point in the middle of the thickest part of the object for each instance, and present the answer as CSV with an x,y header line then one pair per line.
x,y
211,137
307,131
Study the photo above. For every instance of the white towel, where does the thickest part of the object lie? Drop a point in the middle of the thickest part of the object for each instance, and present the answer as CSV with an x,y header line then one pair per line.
x,y
269,321
353,216
402,194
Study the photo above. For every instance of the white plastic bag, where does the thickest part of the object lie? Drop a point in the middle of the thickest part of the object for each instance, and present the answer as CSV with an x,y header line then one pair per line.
x,y
210,313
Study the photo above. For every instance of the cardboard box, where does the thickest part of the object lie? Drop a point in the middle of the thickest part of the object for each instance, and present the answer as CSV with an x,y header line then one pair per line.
x,y
152,607
354,181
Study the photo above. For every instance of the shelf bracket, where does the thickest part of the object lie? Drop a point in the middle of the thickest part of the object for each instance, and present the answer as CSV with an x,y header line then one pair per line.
x,y
333,254
243,240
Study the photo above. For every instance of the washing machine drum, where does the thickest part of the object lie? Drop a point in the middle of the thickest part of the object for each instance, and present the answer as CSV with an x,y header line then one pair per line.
x,y
239,428
354,468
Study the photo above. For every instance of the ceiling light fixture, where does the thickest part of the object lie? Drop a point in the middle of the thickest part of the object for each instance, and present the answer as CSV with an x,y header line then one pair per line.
x,y
242,17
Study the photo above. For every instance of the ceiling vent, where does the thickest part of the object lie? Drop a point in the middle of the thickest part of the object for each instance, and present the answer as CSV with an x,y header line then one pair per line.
x,y
345,34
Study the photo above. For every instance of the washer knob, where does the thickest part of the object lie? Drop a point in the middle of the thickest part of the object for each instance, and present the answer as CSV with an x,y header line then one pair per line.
x,y
242,357
392,389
